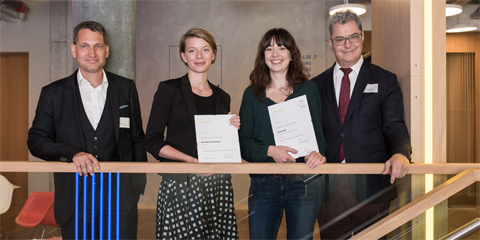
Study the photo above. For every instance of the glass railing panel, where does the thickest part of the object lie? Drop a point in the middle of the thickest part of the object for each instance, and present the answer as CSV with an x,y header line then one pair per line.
x,y
438,221
464,222
349,191
353,202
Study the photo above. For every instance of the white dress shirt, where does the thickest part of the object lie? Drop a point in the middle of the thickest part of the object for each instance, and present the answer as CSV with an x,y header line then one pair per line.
x,y
338,75
93,99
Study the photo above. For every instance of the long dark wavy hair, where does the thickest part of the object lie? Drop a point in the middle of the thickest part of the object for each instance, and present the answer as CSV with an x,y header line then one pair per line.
x,y
260,77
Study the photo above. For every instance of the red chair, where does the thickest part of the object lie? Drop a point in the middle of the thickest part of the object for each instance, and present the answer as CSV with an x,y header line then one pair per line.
x,y
38,211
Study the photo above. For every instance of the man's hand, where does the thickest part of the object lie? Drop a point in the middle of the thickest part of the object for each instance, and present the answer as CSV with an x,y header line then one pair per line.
x,y
314,159
397,166
83,161
280,154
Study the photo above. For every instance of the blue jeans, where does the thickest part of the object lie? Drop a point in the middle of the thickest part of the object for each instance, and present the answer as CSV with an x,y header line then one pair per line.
x,y
271,195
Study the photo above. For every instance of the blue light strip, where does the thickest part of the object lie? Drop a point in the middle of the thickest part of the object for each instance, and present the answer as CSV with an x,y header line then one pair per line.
x,y
77,211
118,206
109,205
84,207
101,207
76,206
93,206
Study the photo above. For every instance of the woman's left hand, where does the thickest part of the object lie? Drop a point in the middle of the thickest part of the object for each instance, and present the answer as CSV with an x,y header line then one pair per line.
x,y
235,121
314,159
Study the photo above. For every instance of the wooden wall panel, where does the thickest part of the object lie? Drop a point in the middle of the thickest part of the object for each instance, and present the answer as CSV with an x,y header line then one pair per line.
x,y
14,118
367,41
398,45
462,43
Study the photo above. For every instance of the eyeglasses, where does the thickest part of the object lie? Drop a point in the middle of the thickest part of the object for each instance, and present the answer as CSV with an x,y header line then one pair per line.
x,y
339,41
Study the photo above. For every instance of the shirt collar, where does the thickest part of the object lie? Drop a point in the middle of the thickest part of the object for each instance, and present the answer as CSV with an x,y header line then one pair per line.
x,y
355,68
82,82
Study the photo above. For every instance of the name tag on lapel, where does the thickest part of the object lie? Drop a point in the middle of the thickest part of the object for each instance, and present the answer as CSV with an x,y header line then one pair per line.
x,y
371,88
124,122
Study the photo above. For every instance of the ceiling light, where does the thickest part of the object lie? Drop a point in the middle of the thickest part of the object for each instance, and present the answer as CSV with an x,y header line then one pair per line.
x,y
453,9
461,28
357,8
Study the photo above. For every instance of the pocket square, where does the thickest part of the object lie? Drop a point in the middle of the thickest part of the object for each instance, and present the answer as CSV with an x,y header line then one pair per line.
x,y
123,106
371,88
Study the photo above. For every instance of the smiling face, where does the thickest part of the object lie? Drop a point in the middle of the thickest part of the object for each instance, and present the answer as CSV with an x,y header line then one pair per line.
x,y
198,55
277,58
90,51
348,54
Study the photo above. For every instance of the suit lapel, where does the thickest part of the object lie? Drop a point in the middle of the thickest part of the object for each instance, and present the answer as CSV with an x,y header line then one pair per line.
x,y
330,97
188,95
112,94
71,94
362,81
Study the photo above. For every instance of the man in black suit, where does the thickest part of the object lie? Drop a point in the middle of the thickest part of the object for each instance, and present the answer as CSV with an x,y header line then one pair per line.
x,y
363,123
89,117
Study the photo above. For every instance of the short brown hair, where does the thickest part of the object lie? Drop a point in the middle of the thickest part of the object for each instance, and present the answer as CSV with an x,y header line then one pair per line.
x,y
199,33
92,26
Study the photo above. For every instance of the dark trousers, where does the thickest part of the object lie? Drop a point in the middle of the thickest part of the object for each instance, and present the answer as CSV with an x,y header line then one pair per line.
x,y
342,200
128,212
271,196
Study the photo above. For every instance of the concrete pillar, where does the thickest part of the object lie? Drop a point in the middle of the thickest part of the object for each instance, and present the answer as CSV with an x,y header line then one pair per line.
x,y
118,18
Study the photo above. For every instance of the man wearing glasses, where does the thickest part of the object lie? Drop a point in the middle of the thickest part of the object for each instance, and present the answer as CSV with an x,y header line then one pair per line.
x,y
363,123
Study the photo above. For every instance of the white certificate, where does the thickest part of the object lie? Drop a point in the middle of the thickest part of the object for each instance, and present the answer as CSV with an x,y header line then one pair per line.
x,y
292,126
217,139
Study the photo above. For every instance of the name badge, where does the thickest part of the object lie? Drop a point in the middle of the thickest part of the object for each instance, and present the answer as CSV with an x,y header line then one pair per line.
x,y
371,88
124,122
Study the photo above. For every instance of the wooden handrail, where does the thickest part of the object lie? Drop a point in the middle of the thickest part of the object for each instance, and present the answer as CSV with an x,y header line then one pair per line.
x,y
420,205
468,174
234,168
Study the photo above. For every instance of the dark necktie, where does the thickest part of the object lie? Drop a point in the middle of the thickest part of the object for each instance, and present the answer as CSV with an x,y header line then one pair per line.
x,y
343,101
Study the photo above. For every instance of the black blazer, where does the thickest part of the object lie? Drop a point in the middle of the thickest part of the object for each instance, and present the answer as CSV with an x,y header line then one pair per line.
x,y
56,134
374,127
174,107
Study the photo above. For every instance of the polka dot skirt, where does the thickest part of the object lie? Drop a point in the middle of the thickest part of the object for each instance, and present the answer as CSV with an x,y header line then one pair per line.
x,y
199,208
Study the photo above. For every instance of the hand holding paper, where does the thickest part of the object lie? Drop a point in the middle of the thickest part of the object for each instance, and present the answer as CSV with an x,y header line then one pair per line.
x,y
280,154
217,139
292,126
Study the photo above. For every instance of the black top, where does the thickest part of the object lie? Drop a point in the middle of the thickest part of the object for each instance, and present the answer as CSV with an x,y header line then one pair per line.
x,y
205,105
174,109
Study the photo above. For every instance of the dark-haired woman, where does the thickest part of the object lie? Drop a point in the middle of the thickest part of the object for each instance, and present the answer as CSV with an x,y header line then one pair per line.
x,y
279,75
190,206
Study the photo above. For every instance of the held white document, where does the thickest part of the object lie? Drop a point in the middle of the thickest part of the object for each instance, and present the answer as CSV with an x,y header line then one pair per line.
x,y
292,126
217,140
